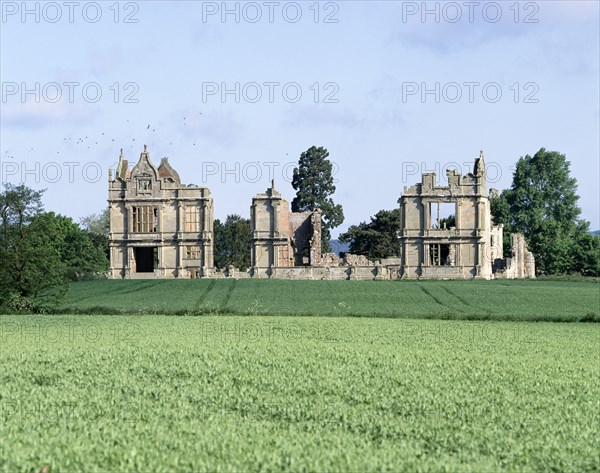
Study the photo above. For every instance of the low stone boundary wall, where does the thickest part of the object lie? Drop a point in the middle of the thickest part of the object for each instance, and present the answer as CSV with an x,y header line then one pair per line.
x,y
362,273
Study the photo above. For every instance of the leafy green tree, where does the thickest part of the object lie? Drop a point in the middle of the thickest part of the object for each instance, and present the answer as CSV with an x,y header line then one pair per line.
x,y
232,242
18,205
500,210
97,227
40,251
32,273
376,239
80,255
313,181
542,204
586,253
448,222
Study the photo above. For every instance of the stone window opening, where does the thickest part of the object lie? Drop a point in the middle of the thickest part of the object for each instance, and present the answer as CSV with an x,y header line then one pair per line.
x,y
442,215
192,218
145,219
145,185
192,252
439,254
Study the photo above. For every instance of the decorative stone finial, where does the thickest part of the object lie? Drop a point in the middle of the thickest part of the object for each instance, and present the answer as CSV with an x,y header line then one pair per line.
x,y
145,149
272,184
121,156
481,154
110,175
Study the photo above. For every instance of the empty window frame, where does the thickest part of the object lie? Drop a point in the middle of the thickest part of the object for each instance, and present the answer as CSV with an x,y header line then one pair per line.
x,y
442,215
145,219
145,185
192,252
192,218
439,254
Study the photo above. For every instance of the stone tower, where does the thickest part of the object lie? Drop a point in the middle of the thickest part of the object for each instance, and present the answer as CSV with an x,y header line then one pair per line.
x,y
280,238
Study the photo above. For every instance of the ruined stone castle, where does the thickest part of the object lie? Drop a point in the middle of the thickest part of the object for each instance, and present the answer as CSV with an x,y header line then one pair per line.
x,y
161,228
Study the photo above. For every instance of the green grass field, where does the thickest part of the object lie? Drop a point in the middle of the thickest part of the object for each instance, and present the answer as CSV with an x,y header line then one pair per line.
x,y
469,300
238,393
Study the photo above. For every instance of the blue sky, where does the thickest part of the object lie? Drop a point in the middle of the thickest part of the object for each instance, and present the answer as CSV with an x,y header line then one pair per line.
x,y
360,67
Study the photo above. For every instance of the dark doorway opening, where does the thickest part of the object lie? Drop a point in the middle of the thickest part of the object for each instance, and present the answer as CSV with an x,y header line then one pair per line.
x,y
146,259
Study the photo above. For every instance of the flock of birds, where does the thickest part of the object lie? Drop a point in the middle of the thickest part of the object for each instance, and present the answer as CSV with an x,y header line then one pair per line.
x,y
90,142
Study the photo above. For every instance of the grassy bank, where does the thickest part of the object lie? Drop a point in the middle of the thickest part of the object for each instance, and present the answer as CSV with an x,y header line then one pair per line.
x,y
537,300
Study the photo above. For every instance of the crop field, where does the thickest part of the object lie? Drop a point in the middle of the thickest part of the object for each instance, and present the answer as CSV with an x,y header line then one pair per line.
x,y
535,300
287,393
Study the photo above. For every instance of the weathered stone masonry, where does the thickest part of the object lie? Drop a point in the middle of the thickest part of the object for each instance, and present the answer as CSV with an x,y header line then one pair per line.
x,y
471,246
280,238
160,228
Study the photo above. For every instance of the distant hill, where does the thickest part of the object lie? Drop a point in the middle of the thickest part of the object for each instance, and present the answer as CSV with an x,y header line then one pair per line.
x,y
339,247
596,233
